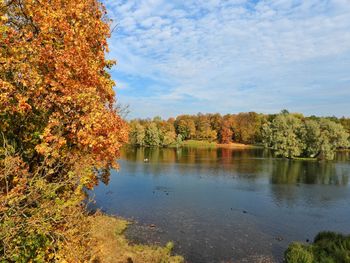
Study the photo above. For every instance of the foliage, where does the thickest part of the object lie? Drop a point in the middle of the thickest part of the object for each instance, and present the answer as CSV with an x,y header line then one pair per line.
x,y
291,135
226,134
204,129
40,220
185,126
298,253
311,138
246,127
346,123
285,137
152,135
332,137
169,137
137,134
328,247
60,130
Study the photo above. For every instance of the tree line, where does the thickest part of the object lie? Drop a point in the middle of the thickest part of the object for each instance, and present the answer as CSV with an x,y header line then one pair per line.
x,y
288,134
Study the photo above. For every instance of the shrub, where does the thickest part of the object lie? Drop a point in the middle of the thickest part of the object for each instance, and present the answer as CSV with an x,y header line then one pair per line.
x,y
298,253
328,247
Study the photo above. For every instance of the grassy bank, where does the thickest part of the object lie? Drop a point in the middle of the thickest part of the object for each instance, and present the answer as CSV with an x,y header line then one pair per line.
x,y
304,159
235,145
196,143
111,246
328,247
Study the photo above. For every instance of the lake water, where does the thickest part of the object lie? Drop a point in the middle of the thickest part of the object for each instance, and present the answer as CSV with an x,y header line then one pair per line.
x,y
226,205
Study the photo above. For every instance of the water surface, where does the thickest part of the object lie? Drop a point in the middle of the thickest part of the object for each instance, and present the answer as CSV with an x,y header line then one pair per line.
x,y
227,205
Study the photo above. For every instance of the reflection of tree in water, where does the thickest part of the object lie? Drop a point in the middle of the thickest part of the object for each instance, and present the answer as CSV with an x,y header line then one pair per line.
x,y
245,164
308,172
286,172
131,153
290,177
343,156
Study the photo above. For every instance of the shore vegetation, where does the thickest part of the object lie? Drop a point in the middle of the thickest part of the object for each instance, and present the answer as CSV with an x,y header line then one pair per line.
x,y
289,135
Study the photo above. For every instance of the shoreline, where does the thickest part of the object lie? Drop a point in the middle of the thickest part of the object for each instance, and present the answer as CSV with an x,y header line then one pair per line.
x,y
236,145
107,232
196,143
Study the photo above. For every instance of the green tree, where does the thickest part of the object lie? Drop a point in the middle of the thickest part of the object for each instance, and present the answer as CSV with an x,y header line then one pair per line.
x,y
267,134
311,138
332,137
289,135
285,135
346,123
137,134
152,137
178,140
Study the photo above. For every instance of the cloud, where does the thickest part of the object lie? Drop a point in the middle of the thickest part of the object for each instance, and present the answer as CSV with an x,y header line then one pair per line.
x,y
232,55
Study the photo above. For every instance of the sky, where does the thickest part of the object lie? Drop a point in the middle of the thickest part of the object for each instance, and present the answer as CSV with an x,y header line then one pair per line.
x,y
228,56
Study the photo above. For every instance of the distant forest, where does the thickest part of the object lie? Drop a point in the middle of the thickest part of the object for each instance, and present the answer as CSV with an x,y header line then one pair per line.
x,y
289,134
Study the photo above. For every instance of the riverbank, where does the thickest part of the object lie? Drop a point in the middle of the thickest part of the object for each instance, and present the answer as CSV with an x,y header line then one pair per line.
x,y
232,145
110,245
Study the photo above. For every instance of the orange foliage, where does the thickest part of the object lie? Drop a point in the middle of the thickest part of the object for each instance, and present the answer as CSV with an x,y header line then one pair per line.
x,y
56,96
59,129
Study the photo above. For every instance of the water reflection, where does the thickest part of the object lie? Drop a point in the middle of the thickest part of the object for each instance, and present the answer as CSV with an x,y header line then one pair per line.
x,y
226,205
246,164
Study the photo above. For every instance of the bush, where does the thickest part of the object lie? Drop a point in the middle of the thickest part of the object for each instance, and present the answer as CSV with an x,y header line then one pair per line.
x,y
40,221
328,247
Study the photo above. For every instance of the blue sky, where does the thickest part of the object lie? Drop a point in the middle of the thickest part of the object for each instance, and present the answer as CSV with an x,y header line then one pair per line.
x,y
231,56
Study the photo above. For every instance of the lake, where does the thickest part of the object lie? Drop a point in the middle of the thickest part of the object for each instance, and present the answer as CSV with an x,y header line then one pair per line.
x,y
226,205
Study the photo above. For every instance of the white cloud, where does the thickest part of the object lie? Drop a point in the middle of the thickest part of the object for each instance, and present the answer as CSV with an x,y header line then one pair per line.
x,y
235,54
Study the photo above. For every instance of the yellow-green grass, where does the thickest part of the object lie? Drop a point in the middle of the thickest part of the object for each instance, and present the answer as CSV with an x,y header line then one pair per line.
x,y
305,159
111,246
196,143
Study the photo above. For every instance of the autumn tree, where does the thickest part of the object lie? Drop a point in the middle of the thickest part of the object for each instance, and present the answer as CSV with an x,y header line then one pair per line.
x,y
137,134
152,137
185,126
204,131
246,127
226,132
332,137
59,128
346,123
167,132
311,137
215,122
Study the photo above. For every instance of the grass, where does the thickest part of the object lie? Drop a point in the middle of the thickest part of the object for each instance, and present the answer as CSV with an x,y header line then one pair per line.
x,y
111,246
328,247
304,158
195,143
239,145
